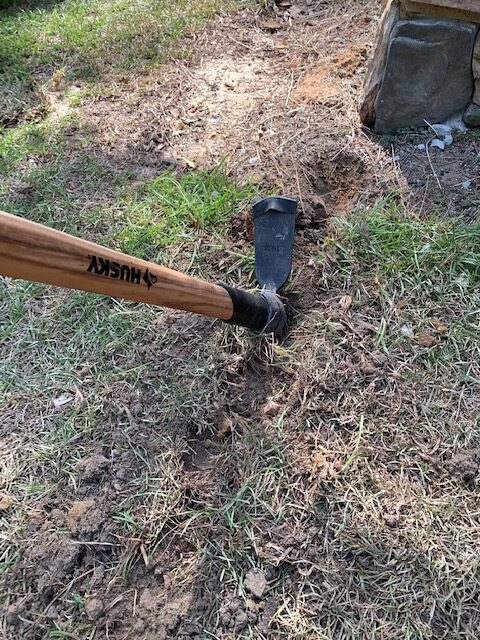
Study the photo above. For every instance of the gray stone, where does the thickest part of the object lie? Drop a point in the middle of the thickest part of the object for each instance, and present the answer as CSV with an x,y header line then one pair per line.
x,y
428,75
476,58
376,67
471,117
476,93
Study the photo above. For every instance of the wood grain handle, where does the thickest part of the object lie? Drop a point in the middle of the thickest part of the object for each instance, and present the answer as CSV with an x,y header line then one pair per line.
x,y
34,252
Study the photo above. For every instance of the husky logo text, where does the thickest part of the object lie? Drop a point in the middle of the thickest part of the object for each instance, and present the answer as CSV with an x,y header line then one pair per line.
x,y
105,267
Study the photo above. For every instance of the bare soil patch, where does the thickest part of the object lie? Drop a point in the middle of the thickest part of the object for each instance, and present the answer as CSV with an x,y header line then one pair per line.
x,y
269,101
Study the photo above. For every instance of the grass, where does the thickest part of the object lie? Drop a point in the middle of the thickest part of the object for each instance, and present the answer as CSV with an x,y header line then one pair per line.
x,y
166,210
409,249
360,522
50,175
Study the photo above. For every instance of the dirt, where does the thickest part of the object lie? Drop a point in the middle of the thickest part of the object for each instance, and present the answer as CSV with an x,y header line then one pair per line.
x,y
261,98
444,182
256,582
465,465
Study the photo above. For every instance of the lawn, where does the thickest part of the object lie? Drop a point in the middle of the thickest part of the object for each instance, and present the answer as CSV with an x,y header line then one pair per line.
x,y
167,476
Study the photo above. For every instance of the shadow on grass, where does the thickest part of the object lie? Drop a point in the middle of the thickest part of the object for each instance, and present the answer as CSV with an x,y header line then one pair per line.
x,y
128,199
11,8
85,41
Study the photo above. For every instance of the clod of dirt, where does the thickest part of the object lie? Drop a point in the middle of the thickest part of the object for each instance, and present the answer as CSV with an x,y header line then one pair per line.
x,y
137,409
94,608
267,615
465,465
6,501
234,616
256,582
425,340
148,600
84,518
313,214
93,468
77,511
174,611
61,557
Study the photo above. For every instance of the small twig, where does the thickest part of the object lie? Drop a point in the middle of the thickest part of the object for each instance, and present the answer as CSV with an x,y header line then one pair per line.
x,y
432,168
290,87
297,179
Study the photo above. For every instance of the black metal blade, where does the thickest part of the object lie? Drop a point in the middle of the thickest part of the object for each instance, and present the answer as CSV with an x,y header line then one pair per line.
x,y
274,224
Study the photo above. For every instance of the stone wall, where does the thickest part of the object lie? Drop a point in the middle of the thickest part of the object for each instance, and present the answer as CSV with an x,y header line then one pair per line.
x,y
422,69
472,114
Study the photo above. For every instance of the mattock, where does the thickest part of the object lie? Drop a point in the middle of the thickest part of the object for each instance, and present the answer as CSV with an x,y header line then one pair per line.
x,y
34,252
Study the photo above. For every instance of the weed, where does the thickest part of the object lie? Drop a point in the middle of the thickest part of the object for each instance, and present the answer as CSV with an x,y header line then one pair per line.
x,y
169,208
398,245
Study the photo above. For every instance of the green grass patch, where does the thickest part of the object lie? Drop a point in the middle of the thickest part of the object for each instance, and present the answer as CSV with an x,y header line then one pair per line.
x,y
421,279
401,247
50,175
170,208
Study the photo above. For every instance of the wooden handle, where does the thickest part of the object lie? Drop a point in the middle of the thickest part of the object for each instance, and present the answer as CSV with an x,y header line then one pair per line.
x,y
34,252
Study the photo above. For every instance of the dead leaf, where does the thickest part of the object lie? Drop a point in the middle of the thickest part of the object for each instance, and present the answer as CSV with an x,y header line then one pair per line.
x,y
442,328
6,501
270,408
178,125
346,302
367,366
270,24
225,428
425,340
438,325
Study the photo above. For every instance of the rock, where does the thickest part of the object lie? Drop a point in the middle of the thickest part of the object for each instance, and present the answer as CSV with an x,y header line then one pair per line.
x,y
376,67
94,608
476,94
428,73
471,117
476,58
464,465
256,582
466,10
